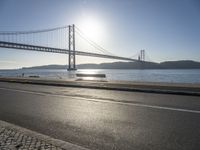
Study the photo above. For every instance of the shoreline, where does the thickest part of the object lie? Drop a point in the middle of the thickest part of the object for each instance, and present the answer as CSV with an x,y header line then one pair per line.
x,y
144,76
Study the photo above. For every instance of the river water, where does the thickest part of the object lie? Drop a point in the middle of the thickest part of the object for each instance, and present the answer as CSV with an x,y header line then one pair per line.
x,y
157,75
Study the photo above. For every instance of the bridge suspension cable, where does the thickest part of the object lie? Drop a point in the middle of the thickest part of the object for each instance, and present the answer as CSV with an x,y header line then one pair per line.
x,y
31,31
136,55
52,37
92,43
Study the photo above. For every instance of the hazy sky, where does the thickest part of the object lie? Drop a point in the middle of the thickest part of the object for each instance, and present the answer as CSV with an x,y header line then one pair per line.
x,y
166,29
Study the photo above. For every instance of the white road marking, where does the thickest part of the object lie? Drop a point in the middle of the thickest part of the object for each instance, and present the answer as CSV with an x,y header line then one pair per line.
x,y
106,101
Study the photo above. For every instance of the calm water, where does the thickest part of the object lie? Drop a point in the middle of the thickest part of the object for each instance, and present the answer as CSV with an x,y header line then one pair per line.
x,y
172,76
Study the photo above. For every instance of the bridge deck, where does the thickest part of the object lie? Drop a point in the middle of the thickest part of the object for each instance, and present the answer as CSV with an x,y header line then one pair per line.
x,y
58,50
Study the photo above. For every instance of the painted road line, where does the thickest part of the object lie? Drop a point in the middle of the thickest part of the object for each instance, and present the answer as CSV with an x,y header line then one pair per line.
x,y
107,101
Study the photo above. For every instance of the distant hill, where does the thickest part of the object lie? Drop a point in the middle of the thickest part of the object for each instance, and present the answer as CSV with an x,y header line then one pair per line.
x,y
121,65
182,64
47,67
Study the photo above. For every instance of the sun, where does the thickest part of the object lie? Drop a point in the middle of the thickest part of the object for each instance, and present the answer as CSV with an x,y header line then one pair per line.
x,y
92,27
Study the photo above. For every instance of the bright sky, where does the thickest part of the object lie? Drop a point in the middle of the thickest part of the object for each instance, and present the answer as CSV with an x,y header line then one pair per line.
x,y
166,29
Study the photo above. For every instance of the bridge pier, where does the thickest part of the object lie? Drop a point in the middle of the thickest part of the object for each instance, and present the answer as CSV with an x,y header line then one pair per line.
x,y
72,55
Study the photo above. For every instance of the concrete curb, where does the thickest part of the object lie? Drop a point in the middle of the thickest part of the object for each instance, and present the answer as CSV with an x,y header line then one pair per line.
x,y
47,139
160,88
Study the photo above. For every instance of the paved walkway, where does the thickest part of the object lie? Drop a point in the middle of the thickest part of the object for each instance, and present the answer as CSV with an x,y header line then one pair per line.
x,y
162,88
16,138
11,139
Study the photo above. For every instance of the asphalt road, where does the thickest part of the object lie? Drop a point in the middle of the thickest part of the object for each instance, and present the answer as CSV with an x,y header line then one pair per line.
x,y
104,120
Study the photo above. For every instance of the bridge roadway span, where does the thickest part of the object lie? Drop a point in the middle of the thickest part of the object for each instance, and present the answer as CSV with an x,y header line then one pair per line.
x,y
102,119
58,50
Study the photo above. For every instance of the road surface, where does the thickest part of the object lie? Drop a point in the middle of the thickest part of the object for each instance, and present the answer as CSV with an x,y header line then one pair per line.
x,y
103,119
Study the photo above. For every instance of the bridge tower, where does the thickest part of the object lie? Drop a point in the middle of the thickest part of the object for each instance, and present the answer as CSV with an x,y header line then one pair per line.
x,y
72,55
141,57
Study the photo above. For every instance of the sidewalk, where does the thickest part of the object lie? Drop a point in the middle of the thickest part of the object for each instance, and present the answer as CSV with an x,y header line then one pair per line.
x,y
162,88
13,137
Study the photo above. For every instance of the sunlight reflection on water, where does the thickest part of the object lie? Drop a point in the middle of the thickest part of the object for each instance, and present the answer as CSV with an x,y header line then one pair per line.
x,y
89,72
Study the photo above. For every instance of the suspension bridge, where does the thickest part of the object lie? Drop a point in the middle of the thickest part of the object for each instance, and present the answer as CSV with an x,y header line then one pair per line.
x,y
58,40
